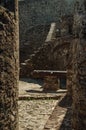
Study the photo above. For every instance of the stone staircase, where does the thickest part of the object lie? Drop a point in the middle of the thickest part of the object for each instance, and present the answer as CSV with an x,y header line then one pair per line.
x,y
37,59
48,56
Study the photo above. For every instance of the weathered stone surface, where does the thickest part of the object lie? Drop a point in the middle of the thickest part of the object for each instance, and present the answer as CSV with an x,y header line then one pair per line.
x,y
70,71
54,51
33,114
35,111
8,71
50,83
32,40
79,87
79,70
33,12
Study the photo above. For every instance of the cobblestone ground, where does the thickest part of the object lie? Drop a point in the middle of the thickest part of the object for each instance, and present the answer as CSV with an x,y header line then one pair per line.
x,y
34,114
44,113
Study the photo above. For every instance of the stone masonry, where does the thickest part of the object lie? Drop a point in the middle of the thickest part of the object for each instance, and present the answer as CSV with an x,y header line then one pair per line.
x,y
32,40
50,83
8,68
79,85
35,14
69,70
79,71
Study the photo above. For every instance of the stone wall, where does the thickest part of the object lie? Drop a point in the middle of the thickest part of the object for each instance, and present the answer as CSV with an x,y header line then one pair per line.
x,y
33,39
55,52
34,12
35,19
79,85
41,12
70,70
54,49
36,49
8,70
79,70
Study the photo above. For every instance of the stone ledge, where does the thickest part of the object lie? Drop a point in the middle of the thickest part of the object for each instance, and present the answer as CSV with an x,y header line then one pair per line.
x,y
26,97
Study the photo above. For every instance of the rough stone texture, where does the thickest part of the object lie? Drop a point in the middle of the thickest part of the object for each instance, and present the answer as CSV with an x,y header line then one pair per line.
x,y
34,12
42,113
79,72
31,40
60,119
54,48
8,71
54,51
70,70
33,89
50,83
36,110
34,114
79,87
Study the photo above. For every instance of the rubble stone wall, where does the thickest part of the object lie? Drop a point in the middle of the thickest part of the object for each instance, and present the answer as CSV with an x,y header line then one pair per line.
x,y
79,69
8,70
32,40
79,85
55,55
35,12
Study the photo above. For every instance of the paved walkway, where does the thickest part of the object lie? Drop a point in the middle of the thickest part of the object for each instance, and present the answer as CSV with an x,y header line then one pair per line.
x,y
34,114
31,88
39,110
60,119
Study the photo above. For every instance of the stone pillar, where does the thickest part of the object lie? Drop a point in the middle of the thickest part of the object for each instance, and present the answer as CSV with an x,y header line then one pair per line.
x,y
9,66
69,72
79,70
79,87
59,83
69,81
50,83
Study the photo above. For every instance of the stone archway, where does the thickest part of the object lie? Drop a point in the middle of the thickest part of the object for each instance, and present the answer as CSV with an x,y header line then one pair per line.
x,y
9,65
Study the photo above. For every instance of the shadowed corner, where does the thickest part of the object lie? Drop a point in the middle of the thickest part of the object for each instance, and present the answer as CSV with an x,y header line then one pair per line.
x,y
66,102
9,4
43,91
35,81
60,119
